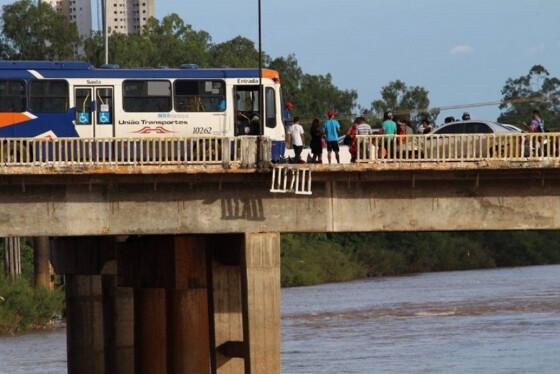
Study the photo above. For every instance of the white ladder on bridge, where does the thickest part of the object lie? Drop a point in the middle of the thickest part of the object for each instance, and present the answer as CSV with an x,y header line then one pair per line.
x,y
287,179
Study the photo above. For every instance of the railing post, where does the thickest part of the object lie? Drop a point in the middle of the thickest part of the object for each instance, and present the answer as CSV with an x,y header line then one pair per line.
x,y
265,152
248,147
226,153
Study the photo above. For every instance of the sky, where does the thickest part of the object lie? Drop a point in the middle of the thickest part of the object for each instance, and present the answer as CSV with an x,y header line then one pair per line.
x,y
460,51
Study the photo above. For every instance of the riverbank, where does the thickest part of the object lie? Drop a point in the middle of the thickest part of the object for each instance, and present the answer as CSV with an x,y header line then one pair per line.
x,y
25,308
309,259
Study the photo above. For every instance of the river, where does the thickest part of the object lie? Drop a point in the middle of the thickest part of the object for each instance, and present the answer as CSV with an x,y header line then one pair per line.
x,y
491,321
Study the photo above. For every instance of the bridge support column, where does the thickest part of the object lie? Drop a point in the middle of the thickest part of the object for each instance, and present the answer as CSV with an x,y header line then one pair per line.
x,y
118,323
172,329
12,257
82,262
84,320
42,263
150,331
245,289
261,286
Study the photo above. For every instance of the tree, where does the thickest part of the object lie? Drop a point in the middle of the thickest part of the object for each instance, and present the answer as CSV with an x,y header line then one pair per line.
x,y
170,42
174,43
534,91
407,102
31,32
290,75
318,94
238,52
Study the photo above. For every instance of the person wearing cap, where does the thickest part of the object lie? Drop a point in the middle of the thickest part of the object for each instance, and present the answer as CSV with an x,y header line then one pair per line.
x,y
331,128
466,116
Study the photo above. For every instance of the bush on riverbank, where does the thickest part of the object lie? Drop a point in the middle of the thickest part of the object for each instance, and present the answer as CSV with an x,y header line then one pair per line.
x,y
311,258
23,307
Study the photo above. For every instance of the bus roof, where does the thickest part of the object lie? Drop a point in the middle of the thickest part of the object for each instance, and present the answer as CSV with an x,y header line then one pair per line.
x,y
77,69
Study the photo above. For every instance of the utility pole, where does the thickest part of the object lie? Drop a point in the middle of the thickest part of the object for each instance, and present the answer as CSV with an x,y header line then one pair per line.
x,y
261,90
106,31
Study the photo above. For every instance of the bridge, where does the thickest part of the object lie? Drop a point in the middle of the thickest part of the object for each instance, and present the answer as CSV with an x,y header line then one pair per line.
x,y
171,248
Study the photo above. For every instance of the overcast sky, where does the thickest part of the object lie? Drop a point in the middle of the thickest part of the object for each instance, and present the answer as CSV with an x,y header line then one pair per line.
x,y
461,51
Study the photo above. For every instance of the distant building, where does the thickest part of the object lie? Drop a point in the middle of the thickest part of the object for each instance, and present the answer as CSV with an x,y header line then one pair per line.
x,y
123,16
78,11
128,16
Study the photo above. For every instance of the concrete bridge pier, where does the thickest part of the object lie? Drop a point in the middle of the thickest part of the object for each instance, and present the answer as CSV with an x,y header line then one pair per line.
x,y
95,317
245,302
12,257
172,304
42,263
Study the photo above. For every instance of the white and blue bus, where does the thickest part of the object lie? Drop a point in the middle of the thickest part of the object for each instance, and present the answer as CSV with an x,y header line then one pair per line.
x,y
40,99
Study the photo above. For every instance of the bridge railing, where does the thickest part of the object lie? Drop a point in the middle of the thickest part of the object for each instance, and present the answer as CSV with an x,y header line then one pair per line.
x,y
458,147
129,151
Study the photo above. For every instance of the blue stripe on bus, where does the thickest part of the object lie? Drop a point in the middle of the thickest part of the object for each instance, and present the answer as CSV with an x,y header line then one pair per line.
x,y
59,123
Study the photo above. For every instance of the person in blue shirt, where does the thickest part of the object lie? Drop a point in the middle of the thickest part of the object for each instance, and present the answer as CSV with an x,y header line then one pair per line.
x,y
330,129
389,126
389,129
287,118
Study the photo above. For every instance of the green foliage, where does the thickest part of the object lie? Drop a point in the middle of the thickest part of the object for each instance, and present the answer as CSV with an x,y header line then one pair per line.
x,y
307,257
534,91
23,307
407,102
312,259
312,95
238,52
37,32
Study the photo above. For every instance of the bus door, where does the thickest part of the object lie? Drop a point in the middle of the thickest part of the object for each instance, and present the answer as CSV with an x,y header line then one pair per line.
x,y
94,111
247,110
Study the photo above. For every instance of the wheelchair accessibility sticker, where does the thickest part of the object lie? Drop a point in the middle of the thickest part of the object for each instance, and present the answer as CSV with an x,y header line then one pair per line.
x,y
104,118
84,118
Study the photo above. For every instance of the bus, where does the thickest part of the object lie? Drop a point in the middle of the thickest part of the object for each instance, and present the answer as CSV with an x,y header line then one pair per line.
x,y
44,99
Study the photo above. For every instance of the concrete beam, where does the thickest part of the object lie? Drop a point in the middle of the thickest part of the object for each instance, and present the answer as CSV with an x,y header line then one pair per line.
x,y
392,201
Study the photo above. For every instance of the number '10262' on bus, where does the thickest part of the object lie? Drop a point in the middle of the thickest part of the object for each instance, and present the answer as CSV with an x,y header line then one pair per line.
x,y
74,99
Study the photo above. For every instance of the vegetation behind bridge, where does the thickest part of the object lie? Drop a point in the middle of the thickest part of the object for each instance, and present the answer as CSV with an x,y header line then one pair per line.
x,y
319,258
23,307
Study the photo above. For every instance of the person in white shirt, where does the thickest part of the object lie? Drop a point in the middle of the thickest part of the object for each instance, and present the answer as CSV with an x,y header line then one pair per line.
x,y
297,134
362,127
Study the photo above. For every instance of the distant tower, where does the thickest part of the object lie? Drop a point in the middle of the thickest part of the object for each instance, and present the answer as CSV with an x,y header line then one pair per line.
x,y
129,16
77,11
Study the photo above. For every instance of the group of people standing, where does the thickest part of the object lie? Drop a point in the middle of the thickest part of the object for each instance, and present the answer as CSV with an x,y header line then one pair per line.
x,y
322,135
325,134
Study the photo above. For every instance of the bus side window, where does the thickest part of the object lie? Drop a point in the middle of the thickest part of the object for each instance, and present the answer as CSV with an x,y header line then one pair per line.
x,y
144,96
270,107
49,96
12,96
199,96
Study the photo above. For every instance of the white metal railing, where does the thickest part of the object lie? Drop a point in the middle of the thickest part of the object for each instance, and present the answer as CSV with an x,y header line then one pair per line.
x,y
459,147
127,151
